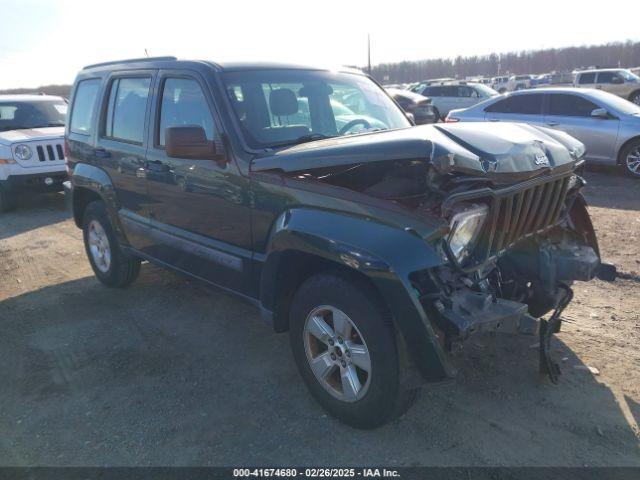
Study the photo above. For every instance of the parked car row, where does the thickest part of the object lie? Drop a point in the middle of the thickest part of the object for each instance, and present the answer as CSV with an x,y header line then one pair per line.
x,y
619,81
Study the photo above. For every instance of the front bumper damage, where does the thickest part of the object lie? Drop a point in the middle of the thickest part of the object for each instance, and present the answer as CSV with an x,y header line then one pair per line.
x,y
465,307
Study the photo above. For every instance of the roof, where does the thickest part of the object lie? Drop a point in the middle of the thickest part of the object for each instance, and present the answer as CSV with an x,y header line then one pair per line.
x,y
553,90
28,98
169,62
601,70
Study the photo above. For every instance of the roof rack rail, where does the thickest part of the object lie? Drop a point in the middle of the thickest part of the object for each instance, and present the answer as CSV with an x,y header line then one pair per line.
x,y
130,60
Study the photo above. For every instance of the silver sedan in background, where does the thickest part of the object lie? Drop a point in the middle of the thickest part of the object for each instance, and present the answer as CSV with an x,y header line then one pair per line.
x,y
609,126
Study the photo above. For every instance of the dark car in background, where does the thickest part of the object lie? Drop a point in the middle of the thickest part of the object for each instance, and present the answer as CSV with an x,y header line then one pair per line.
x,y
417,105
378,245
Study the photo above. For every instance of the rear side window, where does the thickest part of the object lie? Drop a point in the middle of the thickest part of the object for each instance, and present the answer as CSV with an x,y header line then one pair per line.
x,y
522,104
432,92
570,106
449,91
84,103
587,78
127,108
183,103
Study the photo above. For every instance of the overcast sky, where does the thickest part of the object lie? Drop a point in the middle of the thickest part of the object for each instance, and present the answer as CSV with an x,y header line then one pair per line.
x,y
43,42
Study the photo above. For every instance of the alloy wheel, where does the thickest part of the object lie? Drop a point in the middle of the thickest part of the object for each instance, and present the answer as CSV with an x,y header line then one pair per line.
x,y
99,246
337,353
633,161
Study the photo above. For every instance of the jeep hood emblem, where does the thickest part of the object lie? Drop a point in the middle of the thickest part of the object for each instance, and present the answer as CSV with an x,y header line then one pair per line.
x,y
541,160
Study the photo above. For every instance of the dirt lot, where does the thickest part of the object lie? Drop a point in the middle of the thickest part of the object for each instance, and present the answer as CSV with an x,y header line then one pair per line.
x,y
171,372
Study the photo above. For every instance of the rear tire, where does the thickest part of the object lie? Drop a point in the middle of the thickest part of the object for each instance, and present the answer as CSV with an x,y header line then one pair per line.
x,y
635,97
8,200
630,159
437,114
375,397
109,263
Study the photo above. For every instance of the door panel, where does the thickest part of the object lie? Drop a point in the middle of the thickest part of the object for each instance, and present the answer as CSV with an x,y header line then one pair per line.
x,y
200,210
121,149
572,114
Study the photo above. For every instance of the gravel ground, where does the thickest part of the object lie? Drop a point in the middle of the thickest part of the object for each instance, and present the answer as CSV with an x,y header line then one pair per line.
x,y
172,372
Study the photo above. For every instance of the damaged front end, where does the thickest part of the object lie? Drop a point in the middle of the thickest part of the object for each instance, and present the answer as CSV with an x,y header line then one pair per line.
x,y
514,231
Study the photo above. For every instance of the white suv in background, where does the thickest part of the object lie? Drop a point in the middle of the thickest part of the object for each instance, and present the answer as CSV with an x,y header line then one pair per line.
x,y
619,81
451,95
31,146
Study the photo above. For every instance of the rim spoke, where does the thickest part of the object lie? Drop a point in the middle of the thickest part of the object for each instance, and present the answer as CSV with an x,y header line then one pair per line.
x,y
320,330
341,324
322,365
350,383
360,357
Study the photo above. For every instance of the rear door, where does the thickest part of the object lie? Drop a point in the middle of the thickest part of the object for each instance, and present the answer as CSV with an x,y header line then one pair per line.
x,y
572,114
586,80
200,213
121,148
523,107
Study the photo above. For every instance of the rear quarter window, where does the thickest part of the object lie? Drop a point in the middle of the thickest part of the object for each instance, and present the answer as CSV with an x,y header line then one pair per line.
x,y
530,104
84,104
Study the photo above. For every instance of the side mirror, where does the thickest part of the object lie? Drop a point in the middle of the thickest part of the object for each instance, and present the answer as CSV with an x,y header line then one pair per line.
x,y
189,142
599,113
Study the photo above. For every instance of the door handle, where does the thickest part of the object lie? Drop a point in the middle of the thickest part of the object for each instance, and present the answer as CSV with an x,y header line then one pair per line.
x,y
553,124
494,120
101,153
157,166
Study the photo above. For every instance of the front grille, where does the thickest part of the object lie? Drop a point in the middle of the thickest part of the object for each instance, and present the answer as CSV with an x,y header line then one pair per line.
x,y
48,152
516,213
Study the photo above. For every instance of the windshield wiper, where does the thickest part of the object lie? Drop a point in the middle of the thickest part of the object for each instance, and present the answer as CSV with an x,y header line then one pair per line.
x,y
312,137
49,125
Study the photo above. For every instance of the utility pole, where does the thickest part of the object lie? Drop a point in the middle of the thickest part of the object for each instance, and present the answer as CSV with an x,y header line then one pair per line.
x,y
369,53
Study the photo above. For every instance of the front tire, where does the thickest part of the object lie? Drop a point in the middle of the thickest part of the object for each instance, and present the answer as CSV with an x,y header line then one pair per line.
x,y
635,97
630,159
7,200
344,345
109,263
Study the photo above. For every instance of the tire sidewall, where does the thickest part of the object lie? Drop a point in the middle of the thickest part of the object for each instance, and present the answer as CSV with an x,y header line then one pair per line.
x,y
375,407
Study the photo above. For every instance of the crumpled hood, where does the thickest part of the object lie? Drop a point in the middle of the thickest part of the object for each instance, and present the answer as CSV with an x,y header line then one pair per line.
x,y
27,135
502,152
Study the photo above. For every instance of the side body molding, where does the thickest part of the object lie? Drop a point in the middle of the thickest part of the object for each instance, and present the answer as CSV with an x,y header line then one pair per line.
x,y
385,254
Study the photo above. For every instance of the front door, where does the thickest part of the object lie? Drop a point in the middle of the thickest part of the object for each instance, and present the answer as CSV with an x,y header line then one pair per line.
x,y
572,114
200,213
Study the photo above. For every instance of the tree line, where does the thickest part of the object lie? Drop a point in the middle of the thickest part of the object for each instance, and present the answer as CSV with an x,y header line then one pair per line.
x,y
617,54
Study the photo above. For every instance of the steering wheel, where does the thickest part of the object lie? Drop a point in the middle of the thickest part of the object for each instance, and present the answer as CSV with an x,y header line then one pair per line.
x,y
356,121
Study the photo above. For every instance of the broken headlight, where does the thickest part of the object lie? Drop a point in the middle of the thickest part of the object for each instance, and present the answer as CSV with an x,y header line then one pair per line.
x,y
465,228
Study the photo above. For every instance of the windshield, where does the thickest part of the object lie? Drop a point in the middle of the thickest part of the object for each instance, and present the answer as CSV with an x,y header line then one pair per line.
x,y
627,75
485,91
285,107
617,103
23,115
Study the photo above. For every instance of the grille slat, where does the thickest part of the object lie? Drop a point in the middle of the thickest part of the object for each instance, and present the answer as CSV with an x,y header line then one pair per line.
x,y
60,152
50,153
40,151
